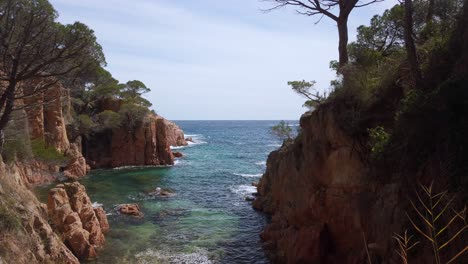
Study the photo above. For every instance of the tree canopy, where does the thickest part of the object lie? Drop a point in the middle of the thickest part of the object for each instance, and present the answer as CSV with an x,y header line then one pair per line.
x,y
337,10
33,46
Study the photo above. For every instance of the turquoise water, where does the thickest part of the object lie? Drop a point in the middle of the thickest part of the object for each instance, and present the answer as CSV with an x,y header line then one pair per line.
x,y
208,220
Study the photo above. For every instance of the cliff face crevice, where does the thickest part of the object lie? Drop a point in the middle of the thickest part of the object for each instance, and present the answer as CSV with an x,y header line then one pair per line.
x,y
47,115
322,201
73,216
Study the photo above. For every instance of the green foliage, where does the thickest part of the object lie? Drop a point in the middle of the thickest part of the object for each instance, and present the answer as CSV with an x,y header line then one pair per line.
x,y
85,124
133,115
108,120
16,149
378,140
381,38
282,130
410,102
132,92
46,153
306,89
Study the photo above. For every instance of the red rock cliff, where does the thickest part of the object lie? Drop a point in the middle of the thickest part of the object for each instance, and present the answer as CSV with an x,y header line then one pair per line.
x,y
148,144
82,226
321,199
47,122
27,237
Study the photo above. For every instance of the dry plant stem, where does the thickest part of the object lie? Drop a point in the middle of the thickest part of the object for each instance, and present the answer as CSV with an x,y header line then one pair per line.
x,y
367,249
430,218
404,246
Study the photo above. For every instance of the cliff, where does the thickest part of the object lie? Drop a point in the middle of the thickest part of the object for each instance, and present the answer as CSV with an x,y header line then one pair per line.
x,y
47,116
326,204
146,145
26,235
320,198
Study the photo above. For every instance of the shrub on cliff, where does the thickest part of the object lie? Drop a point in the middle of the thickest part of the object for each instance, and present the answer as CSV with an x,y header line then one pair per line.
x,y
283,131
108,120
46,153
133,115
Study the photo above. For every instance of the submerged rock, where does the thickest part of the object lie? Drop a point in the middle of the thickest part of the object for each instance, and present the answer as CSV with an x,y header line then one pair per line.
x,y
170,213
177,154
161,193
130,209
189,139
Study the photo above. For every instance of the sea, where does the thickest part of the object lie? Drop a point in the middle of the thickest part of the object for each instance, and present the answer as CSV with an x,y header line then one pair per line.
x,y
209,219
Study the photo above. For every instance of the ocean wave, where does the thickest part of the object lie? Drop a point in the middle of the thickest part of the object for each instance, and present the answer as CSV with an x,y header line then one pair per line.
x,y
177,147
243,190
200,256
261,163
141,167
248,175
194,135
274,145
196,142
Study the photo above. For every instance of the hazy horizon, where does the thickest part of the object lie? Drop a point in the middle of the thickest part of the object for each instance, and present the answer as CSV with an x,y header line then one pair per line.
x,y
214,60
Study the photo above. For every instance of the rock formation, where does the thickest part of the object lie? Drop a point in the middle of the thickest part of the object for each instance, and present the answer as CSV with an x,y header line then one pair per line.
x,y
73,215
130,209
47,122
26,237
321,200
175,135
148,144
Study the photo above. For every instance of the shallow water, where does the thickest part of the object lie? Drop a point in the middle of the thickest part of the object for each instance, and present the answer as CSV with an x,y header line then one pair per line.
x,y
208,220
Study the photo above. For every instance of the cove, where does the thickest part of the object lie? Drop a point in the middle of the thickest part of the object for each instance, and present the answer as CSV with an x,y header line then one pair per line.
x,y
208,220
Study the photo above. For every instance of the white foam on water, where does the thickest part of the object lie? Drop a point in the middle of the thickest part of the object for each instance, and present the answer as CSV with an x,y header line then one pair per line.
x,y
141,167
274,145
243,190
196,142
177,147
261,163
97,205
163,256
245,175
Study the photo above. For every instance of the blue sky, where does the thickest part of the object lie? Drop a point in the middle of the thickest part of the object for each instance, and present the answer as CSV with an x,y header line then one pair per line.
x,y
214,59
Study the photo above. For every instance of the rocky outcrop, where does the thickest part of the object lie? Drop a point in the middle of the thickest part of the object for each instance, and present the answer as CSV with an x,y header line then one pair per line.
x,y
36,172
130,209
77,166
47,119
175,135
322,201
26,235
73,215
148,144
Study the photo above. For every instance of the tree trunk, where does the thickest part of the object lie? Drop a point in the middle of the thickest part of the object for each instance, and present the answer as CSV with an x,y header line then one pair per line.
x,y
430,12
409,43
343,40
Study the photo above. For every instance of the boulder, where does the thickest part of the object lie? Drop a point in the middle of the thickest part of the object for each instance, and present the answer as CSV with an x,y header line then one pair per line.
x,y
130,209
177,154
161,192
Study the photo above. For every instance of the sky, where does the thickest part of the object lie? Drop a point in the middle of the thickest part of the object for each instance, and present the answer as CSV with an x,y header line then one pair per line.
x,y
215,59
